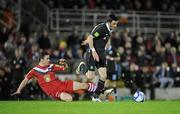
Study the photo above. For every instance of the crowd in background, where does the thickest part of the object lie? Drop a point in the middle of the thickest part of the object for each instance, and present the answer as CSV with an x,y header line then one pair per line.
x,y
123,5
145,61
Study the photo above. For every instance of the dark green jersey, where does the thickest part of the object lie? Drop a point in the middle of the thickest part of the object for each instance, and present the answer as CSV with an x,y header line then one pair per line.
x,y
101,34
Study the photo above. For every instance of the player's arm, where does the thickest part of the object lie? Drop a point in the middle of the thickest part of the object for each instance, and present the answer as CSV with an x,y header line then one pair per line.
x,y
24,82
118,57
21,86
62,65
91,45
113,58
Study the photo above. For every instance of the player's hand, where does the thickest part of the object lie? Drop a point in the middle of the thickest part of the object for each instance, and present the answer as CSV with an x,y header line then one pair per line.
x,y
95,56
62,62
16,93
84,42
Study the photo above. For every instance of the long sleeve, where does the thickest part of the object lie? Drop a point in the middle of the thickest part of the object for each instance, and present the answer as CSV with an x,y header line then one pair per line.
x,y
58,68
30,74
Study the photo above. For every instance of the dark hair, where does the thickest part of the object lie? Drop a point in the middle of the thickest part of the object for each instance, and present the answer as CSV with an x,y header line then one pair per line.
x,y
42,54
112,17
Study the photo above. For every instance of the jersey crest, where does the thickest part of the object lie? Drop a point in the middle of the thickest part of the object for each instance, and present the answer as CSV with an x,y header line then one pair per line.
x,y
47,78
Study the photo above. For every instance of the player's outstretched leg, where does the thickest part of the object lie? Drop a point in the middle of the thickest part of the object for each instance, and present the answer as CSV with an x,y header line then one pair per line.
x,y
90,87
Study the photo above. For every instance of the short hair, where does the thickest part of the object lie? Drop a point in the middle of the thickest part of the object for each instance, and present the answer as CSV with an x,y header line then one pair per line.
x,y
42,55
111,18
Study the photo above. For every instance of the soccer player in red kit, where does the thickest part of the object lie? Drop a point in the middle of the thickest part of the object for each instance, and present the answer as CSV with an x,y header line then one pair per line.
x,y
51,85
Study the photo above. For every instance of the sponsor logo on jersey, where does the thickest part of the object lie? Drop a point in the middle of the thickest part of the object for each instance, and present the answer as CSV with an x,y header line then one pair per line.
x,y
96,34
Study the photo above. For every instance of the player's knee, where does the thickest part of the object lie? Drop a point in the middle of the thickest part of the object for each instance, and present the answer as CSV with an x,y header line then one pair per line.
x,y
66,97
69,99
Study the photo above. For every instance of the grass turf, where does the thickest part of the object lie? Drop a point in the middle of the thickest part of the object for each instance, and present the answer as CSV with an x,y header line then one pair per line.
x,y
88,107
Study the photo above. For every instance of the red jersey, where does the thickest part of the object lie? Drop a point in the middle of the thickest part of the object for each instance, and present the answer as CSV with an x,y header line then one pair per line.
x,y
45,75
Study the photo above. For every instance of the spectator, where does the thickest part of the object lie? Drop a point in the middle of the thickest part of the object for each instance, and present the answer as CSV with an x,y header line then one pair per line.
x,y
148,79
4,35
44,41
175,73
10,45
158,56
128,76
5,83
64,51
33,53
162,75
116,40
72,42
113,67
18,65
171,57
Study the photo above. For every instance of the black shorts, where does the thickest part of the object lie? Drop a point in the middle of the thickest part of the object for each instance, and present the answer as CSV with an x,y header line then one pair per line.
x,y
92,64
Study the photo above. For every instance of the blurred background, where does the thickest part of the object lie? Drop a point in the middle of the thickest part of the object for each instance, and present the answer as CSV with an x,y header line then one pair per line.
x,y
146,44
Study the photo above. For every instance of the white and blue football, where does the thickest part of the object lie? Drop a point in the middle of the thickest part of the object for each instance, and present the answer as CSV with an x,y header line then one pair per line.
x,y
139,96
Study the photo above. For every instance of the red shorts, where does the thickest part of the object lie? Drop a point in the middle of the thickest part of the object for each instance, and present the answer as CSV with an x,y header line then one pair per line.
x,y
55,88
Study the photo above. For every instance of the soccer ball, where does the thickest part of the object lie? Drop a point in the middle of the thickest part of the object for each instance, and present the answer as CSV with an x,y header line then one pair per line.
x,y
139,96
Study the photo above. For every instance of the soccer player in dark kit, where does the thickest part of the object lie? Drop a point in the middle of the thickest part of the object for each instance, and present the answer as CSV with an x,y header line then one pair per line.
x,y
97,41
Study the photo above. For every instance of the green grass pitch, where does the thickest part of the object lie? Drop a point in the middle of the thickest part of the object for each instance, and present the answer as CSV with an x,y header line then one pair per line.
x,y
88,107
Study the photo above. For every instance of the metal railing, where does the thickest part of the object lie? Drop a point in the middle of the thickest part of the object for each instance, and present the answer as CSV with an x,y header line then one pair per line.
x,y
30,12
16,19
37,9
64,20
